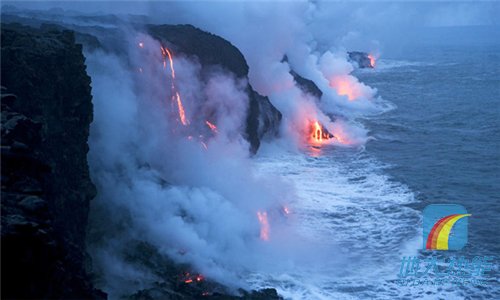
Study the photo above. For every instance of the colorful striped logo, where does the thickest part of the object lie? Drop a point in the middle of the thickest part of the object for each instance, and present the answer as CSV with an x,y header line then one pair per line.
x,y
445,227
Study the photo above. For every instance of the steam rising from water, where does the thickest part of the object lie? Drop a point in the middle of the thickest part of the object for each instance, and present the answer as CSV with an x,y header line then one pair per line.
x,y
157,185
194,194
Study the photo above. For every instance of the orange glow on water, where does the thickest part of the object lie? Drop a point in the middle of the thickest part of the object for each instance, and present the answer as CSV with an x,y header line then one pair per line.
x,y
344,87
264,225
342,137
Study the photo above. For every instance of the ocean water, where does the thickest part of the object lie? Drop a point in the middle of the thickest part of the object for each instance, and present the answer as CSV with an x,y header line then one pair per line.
x,y
441,144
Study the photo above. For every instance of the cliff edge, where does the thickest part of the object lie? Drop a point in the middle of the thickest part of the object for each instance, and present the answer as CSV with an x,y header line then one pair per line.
x,y
46,187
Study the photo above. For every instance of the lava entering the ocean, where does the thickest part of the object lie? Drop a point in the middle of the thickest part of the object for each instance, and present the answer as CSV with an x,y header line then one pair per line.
x,y
372,60
318,134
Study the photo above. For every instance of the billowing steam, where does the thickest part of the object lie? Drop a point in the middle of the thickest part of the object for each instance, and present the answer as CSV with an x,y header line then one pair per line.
x,y
175,173
168,156
170,163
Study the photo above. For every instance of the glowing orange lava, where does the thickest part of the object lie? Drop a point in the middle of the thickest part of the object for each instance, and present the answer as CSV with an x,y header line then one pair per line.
x,y
190,278
372,60
264,225
318,134
344,88
211,126
182,114
176,97
166,53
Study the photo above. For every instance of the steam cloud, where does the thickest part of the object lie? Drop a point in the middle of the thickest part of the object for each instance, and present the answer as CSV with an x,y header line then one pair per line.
x,y
190,193
194,204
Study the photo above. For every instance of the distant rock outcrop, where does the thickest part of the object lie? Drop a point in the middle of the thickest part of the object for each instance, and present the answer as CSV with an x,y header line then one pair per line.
x,y
46,188
362,59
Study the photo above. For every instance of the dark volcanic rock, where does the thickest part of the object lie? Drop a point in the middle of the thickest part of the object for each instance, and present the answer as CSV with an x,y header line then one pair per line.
x,y
263,118
307,85
209,48
46,186
173,283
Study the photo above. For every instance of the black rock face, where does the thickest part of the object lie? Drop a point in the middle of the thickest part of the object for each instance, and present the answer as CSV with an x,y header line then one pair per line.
x,y
263,118
307,85
46,188
209,48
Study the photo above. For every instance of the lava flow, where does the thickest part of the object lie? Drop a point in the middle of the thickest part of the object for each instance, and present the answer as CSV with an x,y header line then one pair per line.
x,y
211,126
176,97
264,225
372,60
190,278
318,134
182,114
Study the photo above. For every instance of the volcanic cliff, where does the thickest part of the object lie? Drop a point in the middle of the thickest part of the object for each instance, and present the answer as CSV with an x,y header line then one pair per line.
x,y
46,187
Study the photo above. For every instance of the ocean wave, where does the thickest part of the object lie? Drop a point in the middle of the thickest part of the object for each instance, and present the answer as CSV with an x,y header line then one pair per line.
x,y
346,201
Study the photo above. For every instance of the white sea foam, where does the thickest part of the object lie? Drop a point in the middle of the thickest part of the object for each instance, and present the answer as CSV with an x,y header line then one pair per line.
x,y
348,203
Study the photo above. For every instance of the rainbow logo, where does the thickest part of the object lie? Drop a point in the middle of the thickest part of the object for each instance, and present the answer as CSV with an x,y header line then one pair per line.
x,y
445,227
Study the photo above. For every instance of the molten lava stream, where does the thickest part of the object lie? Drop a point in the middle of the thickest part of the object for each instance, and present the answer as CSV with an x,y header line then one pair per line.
x,y
211,126
318,135
182,114
176,97
372,60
